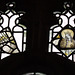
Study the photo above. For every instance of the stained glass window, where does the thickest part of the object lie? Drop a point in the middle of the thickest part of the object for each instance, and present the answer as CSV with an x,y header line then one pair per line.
x,y
12,33
62,35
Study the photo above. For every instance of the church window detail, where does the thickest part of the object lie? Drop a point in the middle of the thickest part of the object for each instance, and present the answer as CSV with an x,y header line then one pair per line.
x,y
12,33
62,35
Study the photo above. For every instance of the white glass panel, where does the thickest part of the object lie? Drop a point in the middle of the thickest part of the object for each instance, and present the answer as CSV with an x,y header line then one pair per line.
x,y
15,51
7,49
3,55
68,14
25,36
54,49
13,46
53,26
65,20
11,5
23,26
59,54
50,35
60,21
24,47
63,55
71,21
18,38
39,73
10,14
70,57
28,74
12,21
49,50
0,28
17,28
9,34
74,57
54,34
57,29
56,41
5,22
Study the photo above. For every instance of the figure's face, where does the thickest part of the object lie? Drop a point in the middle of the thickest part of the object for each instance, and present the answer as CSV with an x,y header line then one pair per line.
x,y
68,37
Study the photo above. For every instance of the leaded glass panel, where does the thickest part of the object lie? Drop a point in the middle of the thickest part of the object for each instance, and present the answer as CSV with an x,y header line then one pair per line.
x,y
12,33
62,35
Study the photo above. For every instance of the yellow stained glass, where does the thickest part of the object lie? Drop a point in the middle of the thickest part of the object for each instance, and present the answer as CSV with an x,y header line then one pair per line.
x,y
58,36
13,41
